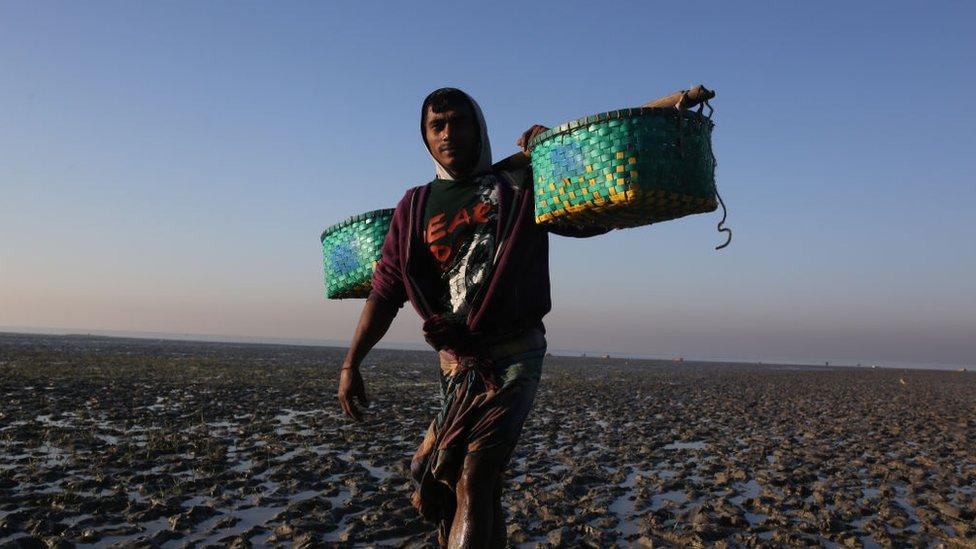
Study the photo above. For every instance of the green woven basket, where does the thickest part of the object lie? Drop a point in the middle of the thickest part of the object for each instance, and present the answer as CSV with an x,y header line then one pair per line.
x,y
350,252
624,168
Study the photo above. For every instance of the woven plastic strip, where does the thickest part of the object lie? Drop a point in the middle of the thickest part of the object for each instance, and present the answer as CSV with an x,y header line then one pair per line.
x,y
351,250
624,168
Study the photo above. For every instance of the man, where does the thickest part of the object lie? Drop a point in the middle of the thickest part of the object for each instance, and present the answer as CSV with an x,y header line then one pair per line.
x,y
466,252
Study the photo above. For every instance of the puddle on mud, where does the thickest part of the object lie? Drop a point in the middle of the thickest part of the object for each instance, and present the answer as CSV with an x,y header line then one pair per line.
x,y
694,445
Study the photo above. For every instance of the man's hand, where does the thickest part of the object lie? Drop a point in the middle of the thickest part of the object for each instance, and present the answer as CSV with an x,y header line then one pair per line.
x,y
373,323
527,136
351,386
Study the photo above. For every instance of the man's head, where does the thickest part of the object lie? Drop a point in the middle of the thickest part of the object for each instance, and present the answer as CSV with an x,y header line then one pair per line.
x,y
452,130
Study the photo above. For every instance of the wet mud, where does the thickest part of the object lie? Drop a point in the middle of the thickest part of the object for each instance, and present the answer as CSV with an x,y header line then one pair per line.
x,y
178,444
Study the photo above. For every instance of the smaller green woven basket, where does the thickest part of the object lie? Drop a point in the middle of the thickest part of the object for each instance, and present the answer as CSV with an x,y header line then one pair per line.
x,y
350,252
624,168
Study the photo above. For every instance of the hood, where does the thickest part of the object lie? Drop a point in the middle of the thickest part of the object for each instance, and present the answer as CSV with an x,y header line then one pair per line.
x,y
484,157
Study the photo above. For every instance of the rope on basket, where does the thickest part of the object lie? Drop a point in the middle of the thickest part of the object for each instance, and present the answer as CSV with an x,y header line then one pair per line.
x,y
720,227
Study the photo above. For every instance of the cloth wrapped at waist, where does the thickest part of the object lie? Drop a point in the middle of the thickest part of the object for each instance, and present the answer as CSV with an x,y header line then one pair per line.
x,y
475,350
457,338
485,399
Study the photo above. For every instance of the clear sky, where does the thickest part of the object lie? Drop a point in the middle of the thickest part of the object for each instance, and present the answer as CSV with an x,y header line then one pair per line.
x,y
169,166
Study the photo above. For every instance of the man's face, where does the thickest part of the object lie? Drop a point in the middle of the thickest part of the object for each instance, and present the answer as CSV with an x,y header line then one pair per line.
x,y
452,137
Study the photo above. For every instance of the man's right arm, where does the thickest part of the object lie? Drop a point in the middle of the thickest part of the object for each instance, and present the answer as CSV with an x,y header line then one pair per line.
x,y
374,321
386,297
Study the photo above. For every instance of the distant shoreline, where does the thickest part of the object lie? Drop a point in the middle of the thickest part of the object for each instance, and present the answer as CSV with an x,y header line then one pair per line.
x,y
411,346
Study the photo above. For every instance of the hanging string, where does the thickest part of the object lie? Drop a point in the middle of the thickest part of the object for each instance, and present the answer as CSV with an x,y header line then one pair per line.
x,y
721,224
679,106
720,227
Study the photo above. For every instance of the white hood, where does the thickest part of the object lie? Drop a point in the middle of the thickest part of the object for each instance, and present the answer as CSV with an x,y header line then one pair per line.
x,y
483,164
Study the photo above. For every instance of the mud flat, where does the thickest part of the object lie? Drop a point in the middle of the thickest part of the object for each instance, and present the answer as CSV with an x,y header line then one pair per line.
x,y
172,444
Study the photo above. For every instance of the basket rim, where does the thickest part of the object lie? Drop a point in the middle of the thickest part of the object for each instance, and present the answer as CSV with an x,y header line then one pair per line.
x,y
613,115
359,217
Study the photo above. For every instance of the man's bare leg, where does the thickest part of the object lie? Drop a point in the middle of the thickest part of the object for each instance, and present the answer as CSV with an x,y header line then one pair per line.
x,y
473,525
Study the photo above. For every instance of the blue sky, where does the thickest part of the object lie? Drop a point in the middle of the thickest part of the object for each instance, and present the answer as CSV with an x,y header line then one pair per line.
x,y
169,166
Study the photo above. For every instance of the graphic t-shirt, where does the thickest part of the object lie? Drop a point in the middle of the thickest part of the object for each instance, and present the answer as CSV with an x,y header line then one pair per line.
x,y
459,233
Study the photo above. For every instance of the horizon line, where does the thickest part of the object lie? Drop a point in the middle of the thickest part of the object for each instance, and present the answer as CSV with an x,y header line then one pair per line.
x,y
418,346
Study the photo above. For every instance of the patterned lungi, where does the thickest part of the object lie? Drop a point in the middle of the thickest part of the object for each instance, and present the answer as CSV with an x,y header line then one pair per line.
x,y
485,401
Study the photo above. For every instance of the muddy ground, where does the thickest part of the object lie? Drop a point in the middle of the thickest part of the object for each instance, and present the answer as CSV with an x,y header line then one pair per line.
x,y
161,443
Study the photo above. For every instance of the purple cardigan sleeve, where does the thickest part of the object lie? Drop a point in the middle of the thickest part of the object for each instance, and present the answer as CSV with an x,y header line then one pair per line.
x,y
388,285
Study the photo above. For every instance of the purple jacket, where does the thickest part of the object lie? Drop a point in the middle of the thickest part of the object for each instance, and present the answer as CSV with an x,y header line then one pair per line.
x,y
516,294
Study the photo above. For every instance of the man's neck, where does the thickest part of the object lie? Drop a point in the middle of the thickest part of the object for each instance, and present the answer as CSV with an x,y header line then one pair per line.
x,y
460,178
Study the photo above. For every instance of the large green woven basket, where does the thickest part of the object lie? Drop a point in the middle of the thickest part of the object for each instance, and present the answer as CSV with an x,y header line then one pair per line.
x,y
350,252
624,168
